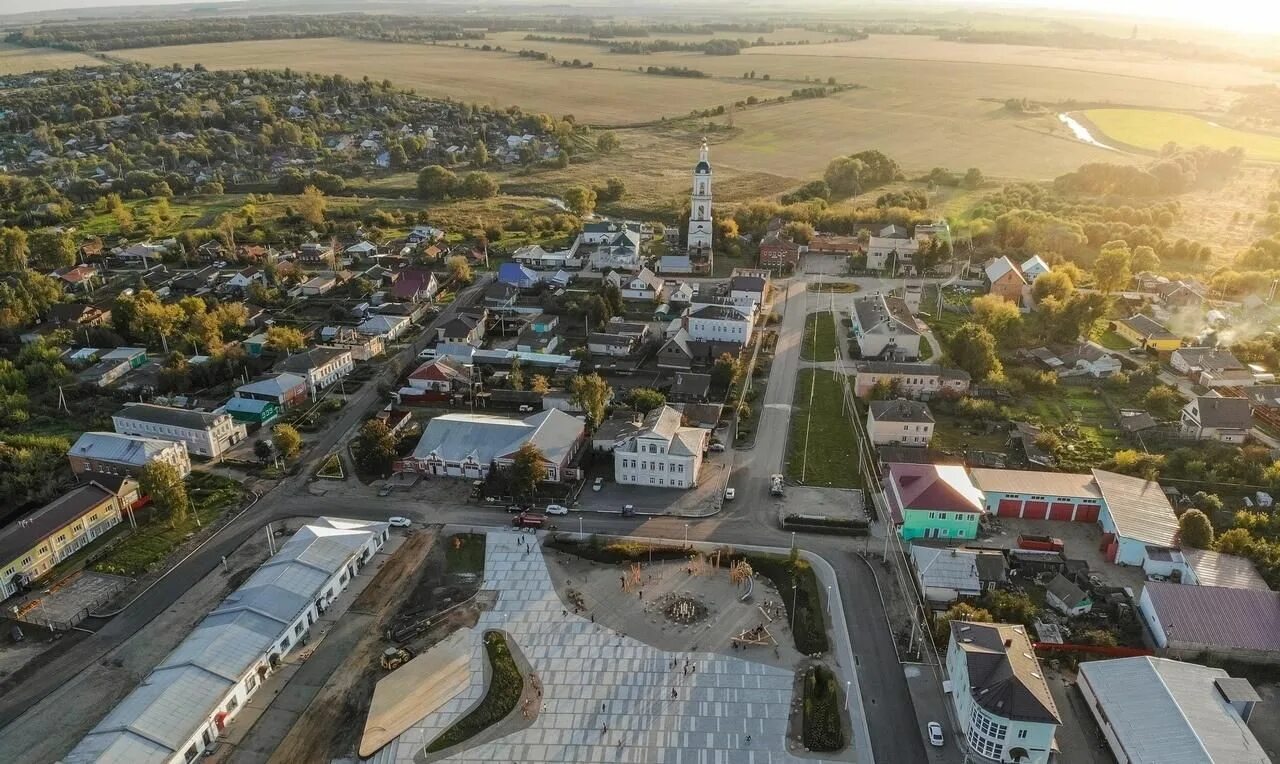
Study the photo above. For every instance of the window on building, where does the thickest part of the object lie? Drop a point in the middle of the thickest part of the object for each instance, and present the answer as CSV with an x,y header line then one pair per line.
x,y
191,753
1022,734
284,644
297,629
250,684
232,704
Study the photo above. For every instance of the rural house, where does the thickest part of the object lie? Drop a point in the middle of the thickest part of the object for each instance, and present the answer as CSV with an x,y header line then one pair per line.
x,y
884,327
1227,420
1005,280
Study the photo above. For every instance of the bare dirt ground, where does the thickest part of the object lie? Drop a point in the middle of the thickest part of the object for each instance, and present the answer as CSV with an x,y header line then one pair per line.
x,y
415,581
642,612
52,727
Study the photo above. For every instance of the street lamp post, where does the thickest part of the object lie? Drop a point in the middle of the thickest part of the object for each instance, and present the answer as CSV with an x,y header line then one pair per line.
x,y
828,599
579,525
793,539
847,685
795,593
686,534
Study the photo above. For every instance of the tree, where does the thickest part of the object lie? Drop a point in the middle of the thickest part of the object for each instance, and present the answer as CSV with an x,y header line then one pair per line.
x,y
477,185
998,316
961,611
285,339
459,269
607,143
374,447
646,399
1111,269
436,182
262,450
973,348
1055,284
1195,530
163,483
1144,259
311,205
844,175
287,440
480,156
528,468
13,249
973,178
515,377
1009,607
612,191
725,371
580,200
539,384
52,248
1164,402
591,394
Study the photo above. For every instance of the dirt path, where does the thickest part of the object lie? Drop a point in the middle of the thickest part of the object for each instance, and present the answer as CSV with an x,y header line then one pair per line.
x,y
338,701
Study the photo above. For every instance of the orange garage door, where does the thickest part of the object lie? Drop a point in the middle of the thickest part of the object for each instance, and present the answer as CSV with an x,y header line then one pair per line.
x,y
1036,510
1061,510
1010,508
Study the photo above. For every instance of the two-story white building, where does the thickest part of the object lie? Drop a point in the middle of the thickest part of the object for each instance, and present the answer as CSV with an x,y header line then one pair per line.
x,y
322,366
912,380
748,286
892,244
662,453
1228,420
645,285
203,433
718,323
1001,698
899,423
884,327
186,703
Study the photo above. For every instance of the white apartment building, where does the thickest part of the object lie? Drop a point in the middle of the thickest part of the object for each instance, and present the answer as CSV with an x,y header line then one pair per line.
x,y
899,423
716,323
884,327
322,366
183,706
662,453
203,433
1001,698
913,380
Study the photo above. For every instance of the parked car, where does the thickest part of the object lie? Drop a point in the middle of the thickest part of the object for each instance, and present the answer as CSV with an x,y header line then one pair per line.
x,y
717,447
729,493
525,408
628,510
514,508
557,509
935,735
427,354
598,485
385,490
400,522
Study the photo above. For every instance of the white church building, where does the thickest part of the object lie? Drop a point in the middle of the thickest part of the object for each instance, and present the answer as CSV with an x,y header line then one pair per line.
x,y
697,256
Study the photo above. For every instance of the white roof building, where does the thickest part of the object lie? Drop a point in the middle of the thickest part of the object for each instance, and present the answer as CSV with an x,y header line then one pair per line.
x,y
181,706
1160,711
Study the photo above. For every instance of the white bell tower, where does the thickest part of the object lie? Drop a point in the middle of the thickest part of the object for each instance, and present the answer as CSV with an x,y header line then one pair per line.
x,y
700,211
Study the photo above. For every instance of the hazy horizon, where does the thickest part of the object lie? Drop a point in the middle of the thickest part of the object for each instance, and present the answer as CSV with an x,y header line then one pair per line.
x,y
1242,16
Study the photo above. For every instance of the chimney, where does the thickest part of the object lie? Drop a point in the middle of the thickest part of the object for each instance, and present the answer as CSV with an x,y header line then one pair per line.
x,y
1008,643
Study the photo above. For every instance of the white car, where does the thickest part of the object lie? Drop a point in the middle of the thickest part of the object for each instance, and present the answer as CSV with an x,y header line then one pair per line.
x,y
716,447
399,522
427,354
557,509
935,735
729,493
525,408
598,485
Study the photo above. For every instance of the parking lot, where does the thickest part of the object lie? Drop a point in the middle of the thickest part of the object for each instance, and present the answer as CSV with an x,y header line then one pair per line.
x,y
699,500
1082,542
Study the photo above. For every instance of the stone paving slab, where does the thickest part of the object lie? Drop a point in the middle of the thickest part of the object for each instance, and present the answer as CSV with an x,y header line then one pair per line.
x,y
608,698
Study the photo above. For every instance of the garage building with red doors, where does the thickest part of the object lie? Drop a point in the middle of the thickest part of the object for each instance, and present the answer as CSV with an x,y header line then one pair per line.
x,y
1032,495
1134,514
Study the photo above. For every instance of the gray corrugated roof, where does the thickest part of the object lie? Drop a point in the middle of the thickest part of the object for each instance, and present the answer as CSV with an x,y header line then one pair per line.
x,y
277,385
873,310
900,411
1138,507
178,697
167,415
312,359
943,568
1215,616
453,437
1148,327
1168,712
1226,413
122,449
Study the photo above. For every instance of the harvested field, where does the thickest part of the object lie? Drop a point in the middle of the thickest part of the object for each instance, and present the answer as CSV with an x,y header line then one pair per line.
x,y
497,79
1150,130
15,59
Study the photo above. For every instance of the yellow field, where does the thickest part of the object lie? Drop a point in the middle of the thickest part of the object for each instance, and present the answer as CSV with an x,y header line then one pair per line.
x,y
1153,129
15,59
499,79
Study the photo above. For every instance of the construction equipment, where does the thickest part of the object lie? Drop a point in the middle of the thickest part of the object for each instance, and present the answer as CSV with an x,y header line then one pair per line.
x,y
395,657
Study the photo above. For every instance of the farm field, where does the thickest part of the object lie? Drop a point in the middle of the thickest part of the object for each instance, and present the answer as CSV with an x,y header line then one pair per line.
x,y
496,79
1151,130
15,59
1224,212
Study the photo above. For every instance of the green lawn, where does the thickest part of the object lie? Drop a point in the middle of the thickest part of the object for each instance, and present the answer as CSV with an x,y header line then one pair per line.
x,y
828,459
1112,341
926,350
465,553
1151,130
155,538
956,433
819,337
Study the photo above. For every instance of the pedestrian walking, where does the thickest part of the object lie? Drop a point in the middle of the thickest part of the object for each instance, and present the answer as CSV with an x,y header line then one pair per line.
x,y
604,707
674,694
641,593
604,729
748,739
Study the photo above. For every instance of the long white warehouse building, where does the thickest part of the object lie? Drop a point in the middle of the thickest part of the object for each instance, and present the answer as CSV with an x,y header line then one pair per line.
x,y
180,708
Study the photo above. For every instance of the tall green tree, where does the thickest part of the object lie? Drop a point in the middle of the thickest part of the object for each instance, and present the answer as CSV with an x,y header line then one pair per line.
x,y
591,394
459,268
973,348
528,468
14,249
163,483
436,182
580,200
285,339
515,377
1195,530
287,440
52,248
1111,270
646,399
374,448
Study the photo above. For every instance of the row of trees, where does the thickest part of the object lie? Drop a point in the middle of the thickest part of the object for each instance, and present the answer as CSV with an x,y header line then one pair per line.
x,y
439,183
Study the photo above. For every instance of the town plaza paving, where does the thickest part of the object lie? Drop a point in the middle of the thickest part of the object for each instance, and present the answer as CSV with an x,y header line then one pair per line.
x,y
607,697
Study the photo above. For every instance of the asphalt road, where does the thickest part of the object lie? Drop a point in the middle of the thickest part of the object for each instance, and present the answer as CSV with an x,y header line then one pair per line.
x,y
749,519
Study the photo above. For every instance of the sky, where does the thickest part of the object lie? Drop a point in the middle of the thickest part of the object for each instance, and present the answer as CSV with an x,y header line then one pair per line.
x,y
1249,16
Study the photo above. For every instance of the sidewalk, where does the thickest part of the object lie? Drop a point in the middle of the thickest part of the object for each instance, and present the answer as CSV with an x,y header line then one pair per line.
x,y
276,689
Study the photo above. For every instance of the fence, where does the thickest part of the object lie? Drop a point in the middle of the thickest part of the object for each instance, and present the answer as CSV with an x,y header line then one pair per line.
x,y
33,614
